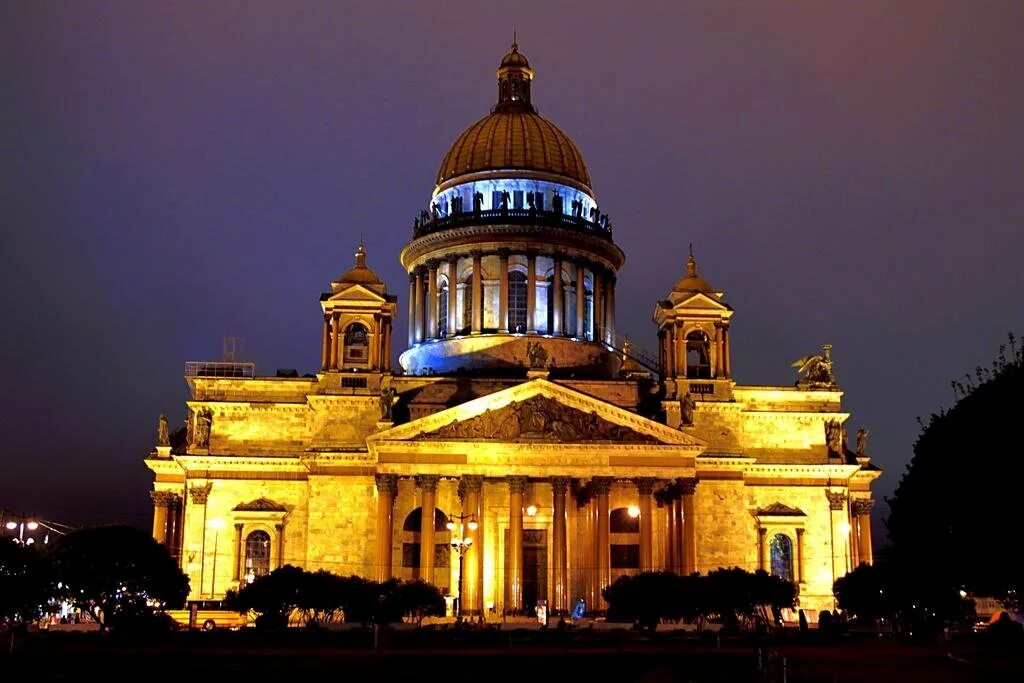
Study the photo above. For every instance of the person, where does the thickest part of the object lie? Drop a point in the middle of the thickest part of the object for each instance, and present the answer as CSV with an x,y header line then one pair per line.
x,y
579,609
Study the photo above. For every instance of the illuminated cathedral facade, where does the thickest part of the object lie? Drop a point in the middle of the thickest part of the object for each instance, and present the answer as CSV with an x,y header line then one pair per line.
x,y
523,452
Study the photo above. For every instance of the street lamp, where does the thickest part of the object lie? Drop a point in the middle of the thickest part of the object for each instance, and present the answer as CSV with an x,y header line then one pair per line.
x,y
461,544
25,523
216,524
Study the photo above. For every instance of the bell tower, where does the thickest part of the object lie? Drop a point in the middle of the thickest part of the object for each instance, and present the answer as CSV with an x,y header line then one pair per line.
x,y
358,313
693,338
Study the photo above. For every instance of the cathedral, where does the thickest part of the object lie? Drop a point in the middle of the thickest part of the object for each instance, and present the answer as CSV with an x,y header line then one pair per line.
x,y
523,454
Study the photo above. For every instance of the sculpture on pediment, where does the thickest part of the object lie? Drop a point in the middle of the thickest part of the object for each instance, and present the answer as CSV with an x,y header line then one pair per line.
x,y
536,354
539,418
834,437
162,436
862,442
388,396
686,408
815,372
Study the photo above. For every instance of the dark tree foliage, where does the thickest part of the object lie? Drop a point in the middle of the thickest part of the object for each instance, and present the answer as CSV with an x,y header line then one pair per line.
x,y
728,594
866,593
116,570
24,582
954,513
324,597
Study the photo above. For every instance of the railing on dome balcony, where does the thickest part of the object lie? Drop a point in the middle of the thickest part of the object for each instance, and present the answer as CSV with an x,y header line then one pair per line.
x,y
220,369
624,347
426,224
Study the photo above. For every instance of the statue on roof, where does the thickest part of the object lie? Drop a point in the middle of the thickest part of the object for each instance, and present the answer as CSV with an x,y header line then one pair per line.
x,y
686,407
162,436
862,442
536,355
815,372
388,396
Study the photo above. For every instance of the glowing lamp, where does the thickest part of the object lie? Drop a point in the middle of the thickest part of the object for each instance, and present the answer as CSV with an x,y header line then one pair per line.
x,y
11,525
473,526
633,511
216,523
531,510
450,526
32,526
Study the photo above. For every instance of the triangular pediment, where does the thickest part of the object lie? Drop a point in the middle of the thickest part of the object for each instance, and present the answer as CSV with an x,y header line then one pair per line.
x,y
260,505
698,300
354,293
539,411
779,510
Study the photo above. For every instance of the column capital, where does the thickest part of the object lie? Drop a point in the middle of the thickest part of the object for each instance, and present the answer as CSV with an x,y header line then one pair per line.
x,y
644,485
427,482
387,483
862,506
687,486
504,252
560,484
836,499
200,493
602,485
470,483
173,500
161,499
516,484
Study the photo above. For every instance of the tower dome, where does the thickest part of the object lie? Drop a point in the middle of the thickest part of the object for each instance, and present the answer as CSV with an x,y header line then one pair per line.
x,y
512,266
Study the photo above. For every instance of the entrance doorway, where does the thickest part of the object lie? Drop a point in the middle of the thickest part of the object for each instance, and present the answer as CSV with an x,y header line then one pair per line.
x,y
535,568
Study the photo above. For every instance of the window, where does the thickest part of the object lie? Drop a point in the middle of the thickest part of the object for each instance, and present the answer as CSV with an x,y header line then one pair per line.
x,y
625,546
257,555
411,541
442,309
517,301
781,556
357,344
698,355
621,522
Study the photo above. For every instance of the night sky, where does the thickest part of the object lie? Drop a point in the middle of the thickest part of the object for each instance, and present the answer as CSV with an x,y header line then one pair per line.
x,y
174,173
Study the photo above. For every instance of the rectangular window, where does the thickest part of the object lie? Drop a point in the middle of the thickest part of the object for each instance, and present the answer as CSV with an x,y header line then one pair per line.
x,y
625,556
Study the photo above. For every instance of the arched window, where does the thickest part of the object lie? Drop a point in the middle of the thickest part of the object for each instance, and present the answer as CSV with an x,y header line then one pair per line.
x,y
411,539
442,309
467,305
357,344
781,556
570,311
517,301
698,355
257,555
625,541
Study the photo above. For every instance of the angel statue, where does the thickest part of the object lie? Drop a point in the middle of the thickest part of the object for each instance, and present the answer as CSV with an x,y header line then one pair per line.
x,y
816,371
862,442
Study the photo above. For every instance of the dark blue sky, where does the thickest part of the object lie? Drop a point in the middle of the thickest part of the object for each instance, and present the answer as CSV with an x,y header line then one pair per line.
x,y
174,173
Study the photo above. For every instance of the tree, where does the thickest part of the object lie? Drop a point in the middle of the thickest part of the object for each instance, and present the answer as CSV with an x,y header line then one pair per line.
x,y
23,582
866,593
116,573
948,518
273,596
420,599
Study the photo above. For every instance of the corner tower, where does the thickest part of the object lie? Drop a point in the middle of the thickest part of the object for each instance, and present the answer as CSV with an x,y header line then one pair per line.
x,y
358,312
512,266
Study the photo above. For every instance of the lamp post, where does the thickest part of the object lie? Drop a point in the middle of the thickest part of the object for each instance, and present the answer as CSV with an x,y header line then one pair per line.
x,y
216,524
461,544
25,522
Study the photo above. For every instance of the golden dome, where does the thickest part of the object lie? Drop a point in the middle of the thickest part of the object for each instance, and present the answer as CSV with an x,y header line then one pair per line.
x,y
360,274
514,136
692,282
514,140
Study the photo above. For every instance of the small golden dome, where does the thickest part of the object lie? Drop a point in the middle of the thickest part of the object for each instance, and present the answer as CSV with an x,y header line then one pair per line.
x,y
360,273
692,282
514,58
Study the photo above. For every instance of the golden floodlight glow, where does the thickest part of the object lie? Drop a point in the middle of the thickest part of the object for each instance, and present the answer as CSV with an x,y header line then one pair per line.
x,y
633,511
216,523
531,510
844,527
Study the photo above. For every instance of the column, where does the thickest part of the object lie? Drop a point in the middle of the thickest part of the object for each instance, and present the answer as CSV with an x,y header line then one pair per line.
x,y
412,310
160,500
594,598
665,501
503,293
609,319
677,543
531,293
431,331
469,591
238,553
598,317
799,555
602,485
335,341
325,353
727,363
762,564
644,488
427,484
670,350
419,308
478,294
175,527
680,351
586,562
559,488
374,341
719,352
862,511
557,303
581,299
385,351
689,488
840,537
387,487
280,545
516,486
453,296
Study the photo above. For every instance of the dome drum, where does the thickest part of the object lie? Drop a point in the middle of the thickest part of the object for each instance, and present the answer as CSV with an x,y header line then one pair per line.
x,y
499,354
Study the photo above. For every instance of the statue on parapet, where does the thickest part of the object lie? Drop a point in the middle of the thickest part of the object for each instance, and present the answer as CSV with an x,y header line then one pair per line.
x,y
162,435
862,442
388,396
815,371
686,408
536,355
204,423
